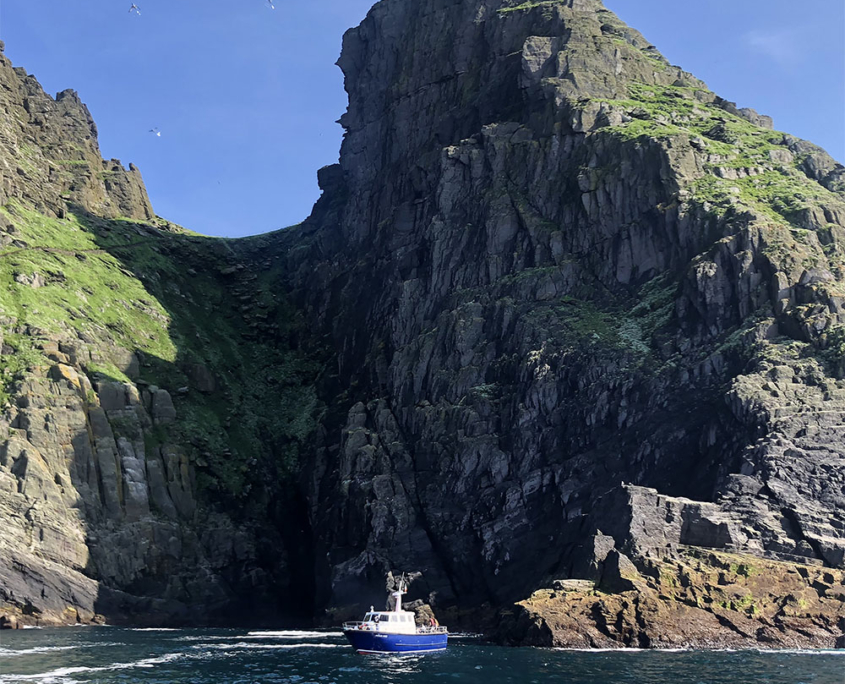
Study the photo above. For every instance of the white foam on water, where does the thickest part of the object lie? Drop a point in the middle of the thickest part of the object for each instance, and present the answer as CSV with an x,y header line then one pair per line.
x,y
56,675
615,650
289,634
82,625
11,652
153,629
800,651
763,651
269,647
260,635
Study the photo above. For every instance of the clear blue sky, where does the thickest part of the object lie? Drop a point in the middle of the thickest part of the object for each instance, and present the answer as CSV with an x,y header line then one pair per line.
x,y
246,97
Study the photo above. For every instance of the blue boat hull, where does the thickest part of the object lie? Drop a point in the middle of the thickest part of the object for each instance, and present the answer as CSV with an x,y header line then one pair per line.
x,y
365,641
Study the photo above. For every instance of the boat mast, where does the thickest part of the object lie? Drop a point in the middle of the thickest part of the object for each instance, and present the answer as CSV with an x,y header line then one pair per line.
x,y
400,589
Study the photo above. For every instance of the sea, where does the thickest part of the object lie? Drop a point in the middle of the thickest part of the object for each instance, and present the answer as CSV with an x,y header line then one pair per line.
x,y
111,655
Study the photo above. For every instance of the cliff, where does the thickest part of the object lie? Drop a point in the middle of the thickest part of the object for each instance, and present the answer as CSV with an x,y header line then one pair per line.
x,y
560,309
154,398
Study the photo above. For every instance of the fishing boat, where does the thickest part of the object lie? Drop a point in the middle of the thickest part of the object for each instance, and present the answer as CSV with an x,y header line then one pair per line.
x,y
394,631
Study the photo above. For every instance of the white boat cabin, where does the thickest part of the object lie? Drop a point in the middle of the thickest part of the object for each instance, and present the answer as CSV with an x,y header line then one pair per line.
x,y
395,622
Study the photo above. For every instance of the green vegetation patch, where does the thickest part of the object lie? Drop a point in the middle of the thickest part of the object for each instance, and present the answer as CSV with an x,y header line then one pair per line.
x,y
626,328
205,317
63,280
529,5
22,356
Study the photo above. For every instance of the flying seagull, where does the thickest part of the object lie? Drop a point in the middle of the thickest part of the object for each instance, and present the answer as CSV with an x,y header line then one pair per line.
x,y
270,2
155,132
135,9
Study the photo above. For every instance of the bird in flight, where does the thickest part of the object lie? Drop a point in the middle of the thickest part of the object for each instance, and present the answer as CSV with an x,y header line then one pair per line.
x,y
270,2
155,132
135,9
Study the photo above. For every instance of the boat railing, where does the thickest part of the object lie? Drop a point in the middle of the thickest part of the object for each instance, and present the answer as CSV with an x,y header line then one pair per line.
x,y
428,629
371,626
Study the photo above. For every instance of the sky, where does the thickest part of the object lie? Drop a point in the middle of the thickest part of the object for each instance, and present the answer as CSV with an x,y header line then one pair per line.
x,y
247,97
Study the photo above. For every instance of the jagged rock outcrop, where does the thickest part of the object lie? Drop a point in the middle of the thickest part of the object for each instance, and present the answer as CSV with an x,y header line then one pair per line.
x,y
691,599
52,157
561,313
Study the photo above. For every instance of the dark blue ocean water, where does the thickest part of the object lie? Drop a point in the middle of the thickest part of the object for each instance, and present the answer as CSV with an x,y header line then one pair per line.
x,y
109,655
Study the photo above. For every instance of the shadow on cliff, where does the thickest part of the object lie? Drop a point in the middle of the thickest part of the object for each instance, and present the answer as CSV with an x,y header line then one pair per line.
x,y
239,379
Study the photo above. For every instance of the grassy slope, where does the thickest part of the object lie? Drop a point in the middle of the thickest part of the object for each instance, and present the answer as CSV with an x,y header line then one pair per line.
x,y
131,285
774,187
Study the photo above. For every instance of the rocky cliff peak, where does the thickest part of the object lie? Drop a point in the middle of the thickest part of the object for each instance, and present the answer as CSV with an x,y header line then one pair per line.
x,y
455,67
52,156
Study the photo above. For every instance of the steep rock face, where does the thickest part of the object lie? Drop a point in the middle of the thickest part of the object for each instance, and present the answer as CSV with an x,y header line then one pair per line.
x,y
147,485
154,417
551,262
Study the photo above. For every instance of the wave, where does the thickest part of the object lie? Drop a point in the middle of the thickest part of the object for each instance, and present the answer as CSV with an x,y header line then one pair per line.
x,y
260,635
798,651
269,647
11,652
153,629
617,650
58,675
291,634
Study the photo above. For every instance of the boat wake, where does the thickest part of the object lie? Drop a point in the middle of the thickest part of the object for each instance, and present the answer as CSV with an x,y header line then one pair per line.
x,y
263,647
260,635
291,634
